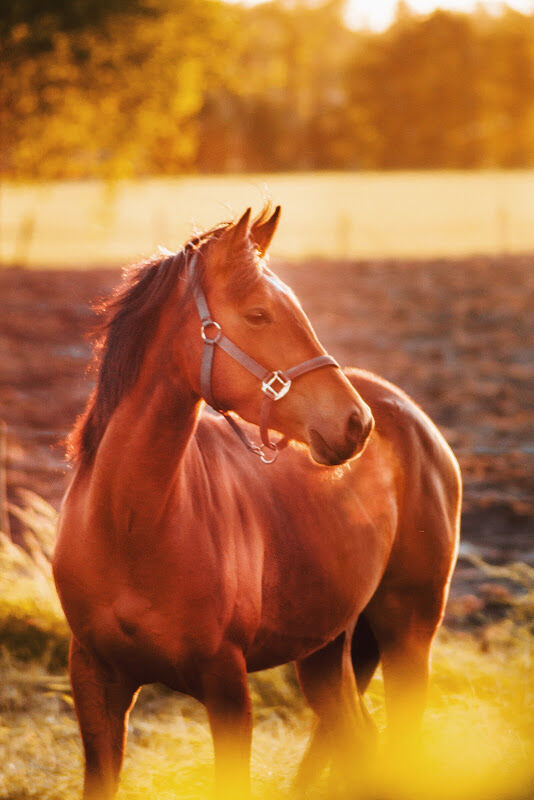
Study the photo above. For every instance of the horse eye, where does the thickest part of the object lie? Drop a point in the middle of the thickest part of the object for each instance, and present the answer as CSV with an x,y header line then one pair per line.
x,y
257,316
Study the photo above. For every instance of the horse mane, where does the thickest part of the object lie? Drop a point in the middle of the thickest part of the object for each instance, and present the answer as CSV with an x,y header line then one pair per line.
x,y
128,321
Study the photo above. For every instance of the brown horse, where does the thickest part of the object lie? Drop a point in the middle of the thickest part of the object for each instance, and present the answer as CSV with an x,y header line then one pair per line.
x,y
184,559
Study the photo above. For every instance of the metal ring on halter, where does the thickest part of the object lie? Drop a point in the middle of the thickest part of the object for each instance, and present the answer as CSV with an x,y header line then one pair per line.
x,y
263,456
210,323
269,385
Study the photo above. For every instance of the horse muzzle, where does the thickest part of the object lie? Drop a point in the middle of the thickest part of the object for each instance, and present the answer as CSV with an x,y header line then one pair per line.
x,y
330,451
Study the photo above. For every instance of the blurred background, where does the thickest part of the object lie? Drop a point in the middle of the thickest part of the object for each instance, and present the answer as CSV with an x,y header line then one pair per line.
x,y
399,139
115,117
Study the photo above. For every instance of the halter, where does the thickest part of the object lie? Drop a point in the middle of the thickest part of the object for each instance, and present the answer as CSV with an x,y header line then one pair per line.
x,y
275,384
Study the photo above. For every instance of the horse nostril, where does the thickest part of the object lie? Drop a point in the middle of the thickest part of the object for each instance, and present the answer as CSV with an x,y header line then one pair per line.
x,y
359,427
354,427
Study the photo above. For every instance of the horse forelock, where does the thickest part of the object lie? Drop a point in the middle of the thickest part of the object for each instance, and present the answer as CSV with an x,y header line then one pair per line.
x,y
127,323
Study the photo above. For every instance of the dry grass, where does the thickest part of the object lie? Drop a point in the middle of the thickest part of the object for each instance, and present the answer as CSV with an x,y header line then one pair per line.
x,y
325,214
32,625
479,728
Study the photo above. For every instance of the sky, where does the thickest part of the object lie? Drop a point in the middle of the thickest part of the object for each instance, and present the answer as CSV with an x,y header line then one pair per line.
x,y
377,14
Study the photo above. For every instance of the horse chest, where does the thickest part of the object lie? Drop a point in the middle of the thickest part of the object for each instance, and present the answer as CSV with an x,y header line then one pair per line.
x,y
168,600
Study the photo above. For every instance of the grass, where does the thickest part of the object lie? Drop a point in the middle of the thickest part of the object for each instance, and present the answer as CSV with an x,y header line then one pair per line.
x,y
479,726
397,214
32,625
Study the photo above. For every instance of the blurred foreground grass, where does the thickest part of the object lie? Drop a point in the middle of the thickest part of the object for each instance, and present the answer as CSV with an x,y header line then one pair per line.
x,y
479,726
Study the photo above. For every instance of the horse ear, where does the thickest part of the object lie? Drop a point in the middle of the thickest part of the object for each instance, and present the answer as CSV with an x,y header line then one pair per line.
x,y
240,229
234,237
263,232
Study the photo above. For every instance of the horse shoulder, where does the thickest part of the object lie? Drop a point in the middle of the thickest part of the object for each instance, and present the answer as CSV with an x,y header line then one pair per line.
x,y
400,419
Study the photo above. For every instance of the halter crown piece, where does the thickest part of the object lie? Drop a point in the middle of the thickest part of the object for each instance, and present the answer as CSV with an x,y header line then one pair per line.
x,y
275,384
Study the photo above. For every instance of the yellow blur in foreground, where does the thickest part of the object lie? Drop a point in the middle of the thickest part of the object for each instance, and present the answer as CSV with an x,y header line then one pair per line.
x,y
476,745
472,748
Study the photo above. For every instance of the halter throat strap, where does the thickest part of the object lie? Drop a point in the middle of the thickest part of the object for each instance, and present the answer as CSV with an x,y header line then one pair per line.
x,y
275,384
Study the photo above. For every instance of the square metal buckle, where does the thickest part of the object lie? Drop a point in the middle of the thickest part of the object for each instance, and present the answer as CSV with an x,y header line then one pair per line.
x,y
276,385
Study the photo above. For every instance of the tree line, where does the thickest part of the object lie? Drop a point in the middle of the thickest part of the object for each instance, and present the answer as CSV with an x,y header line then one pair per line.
x,y
136,87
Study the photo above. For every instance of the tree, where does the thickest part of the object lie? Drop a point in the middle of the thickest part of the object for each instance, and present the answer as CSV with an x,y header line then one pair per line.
x,y
413,90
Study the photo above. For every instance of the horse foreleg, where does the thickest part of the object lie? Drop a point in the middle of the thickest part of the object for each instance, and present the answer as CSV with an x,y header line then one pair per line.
x,y
227,700
102,699
343,730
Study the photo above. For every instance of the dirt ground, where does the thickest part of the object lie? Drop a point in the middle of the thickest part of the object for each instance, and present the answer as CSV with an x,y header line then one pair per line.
x,y
458,335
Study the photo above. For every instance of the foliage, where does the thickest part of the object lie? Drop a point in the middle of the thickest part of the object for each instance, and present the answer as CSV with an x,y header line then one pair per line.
x,y
136,87
115,99
417,87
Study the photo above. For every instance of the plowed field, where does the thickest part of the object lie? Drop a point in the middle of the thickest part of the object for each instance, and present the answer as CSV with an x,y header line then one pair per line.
x,y
458,335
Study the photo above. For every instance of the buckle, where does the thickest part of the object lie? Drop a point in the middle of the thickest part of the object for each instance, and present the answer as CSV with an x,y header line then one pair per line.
x,y
210,323
276,385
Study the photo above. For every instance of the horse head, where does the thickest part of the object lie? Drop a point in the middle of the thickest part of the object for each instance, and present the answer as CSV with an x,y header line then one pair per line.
x,y
246,307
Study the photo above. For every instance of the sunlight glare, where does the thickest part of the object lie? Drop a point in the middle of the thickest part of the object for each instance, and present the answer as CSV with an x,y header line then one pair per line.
x,y
378,14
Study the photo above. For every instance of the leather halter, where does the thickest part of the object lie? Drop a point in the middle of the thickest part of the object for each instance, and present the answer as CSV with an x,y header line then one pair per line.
x,y
275,384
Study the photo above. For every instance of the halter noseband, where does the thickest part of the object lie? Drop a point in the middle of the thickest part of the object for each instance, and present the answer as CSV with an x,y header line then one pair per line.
x,y
274,384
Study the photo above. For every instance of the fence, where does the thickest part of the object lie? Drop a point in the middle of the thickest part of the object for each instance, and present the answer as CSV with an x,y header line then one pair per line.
x,y
355,215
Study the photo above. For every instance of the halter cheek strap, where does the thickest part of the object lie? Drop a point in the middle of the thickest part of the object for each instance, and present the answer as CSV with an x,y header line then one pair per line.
x,y
274,384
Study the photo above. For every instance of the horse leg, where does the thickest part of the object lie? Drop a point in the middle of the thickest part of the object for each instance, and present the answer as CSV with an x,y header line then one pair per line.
x,y
103,699
404,624
364,653
327,681
227,700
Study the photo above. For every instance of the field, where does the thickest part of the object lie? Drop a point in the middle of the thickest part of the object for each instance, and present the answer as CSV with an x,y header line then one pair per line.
x,y
358,215
457,334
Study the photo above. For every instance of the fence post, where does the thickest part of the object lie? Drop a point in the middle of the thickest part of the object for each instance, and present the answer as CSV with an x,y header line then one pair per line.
x,y
24,240
4,515
503,230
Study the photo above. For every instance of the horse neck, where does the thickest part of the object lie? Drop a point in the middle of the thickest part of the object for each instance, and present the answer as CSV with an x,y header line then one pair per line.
x,y
141,454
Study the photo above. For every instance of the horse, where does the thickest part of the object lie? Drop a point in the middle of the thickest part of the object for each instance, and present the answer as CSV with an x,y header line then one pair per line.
x,y
190,554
